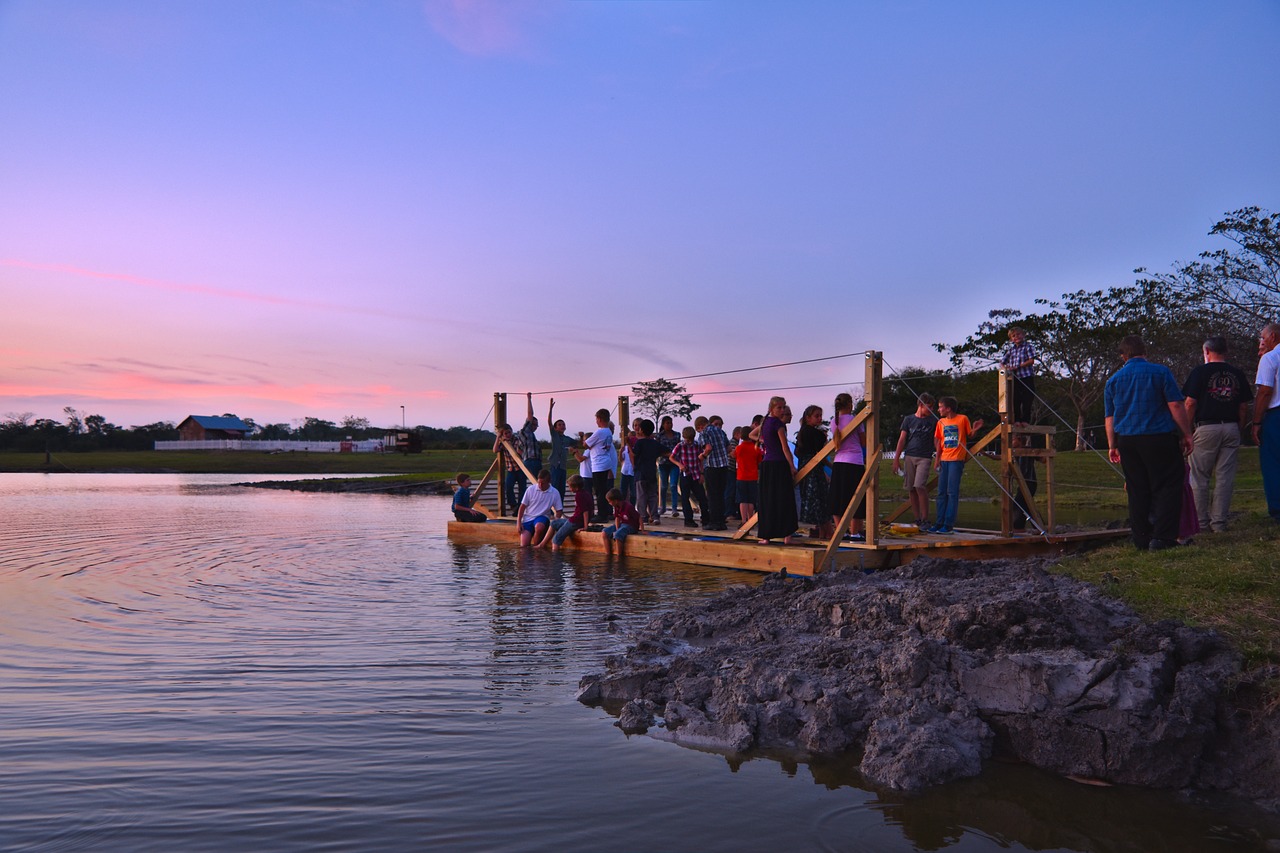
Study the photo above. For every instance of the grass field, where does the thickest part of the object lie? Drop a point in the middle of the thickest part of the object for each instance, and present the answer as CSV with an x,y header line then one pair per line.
x,y
1227,581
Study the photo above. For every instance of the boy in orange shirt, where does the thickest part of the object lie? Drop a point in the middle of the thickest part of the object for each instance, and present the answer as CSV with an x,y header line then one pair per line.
x,y
951,440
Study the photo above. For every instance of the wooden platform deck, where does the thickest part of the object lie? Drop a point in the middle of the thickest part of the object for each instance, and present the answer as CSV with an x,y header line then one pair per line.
x,y
676,543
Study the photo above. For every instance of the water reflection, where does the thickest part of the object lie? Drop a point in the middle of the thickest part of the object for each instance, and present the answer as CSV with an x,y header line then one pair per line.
x,y
187,664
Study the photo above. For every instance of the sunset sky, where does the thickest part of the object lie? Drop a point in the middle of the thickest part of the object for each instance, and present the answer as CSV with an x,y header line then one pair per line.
x,y
339,207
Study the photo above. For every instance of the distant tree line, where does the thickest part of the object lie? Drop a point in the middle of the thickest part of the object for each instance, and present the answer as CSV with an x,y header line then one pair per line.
x,y
81,432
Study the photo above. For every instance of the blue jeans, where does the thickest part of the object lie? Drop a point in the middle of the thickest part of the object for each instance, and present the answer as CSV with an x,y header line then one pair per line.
x,y
564,528
618,531
949,493
669,479
558,478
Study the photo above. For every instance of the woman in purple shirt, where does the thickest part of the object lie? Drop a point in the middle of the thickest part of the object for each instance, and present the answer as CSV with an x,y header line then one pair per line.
x,y
777,508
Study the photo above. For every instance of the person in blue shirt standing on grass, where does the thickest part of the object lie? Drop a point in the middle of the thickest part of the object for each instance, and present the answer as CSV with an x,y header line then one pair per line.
x,y
1148,433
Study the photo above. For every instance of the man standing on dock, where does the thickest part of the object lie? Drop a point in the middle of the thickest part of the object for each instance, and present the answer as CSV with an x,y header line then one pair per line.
x,y
1218,397
1144,416
1266,420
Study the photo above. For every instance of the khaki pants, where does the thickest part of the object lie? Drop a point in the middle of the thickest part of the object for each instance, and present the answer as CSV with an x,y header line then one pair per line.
x,y
1214,454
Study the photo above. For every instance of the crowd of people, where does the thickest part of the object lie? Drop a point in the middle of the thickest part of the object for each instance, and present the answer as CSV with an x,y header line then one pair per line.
x,y
633,480
1170,441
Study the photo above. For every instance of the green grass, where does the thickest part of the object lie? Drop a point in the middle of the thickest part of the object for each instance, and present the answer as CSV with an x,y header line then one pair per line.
x,y
1226,581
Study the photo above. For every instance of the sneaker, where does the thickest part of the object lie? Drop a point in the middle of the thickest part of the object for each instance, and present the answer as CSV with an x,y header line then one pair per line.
x,y
857,537
945,531
692,524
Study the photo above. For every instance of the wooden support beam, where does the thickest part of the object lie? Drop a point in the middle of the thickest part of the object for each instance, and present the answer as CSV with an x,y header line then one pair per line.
x,y
843,525
493,466
500,418
872,391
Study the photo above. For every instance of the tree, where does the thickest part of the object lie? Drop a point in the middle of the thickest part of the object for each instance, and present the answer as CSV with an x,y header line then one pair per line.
x,y
1240,286
660,397
1076,338
316,429
75,423
351,424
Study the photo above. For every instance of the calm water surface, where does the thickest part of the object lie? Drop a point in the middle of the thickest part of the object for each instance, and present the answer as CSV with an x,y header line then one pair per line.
x,y
190,665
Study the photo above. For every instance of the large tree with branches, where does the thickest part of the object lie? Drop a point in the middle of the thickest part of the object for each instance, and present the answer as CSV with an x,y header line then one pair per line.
x,y
1236,286
660,397
1076,336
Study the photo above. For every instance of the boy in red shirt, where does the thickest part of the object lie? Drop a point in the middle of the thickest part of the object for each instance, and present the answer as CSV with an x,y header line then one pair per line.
x,y
625,521
748,455
562,528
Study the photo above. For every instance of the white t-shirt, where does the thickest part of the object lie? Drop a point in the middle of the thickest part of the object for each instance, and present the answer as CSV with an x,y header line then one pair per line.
x,y
1269,375
627,469
600,443
537,502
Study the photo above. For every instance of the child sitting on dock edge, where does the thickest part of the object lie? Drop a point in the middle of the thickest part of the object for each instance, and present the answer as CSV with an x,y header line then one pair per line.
x,y
625,521
538,506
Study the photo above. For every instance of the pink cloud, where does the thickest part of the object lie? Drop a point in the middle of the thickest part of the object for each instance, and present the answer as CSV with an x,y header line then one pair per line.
x,y
485,27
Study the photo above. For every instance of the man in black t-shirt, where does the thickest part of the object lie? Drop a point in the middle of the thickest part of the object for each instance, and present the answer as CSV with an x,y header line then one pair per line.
x,y
1218,396
915,441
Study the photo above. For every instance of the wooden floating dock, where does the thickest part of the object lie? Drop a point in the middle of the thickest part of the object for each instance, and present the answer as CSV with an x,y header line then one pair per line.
x,y
805,557
886,545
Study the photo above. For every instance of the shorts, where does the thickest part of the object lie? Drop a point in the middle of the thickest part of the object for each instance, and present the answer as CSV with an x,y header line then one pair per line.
x,y
917,470
534,522
749,492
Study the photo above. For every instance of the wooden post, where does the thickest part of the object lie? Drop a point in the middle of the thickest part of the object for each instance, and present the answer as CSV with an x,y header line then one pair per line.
x,y
1008,477
624,414
872,394
500,418
1050,520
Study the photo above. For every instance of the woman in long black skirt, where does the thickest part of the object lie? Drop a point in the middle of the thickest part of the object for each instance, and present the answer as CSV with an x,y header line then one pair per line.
x,y
777,476
814,510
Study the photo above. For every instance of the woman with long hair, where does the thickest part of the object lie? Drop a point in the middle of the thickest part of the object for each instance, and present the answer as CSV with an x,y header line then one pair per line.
x,y
847,467
777,508
812,437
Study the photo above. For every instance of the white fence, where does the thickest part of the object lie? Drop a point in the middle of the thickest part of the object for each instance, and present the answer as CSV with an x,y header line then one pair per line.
x,y
371,445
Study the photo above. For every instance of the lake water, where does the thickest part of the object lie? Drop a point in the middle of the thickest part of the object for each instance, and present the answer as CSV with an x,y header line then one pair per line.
x,y
190,665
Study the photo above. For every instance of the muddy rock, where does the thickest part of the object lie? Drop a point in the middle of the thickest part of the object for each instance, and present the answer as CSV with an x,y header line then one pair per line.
x,y
930,669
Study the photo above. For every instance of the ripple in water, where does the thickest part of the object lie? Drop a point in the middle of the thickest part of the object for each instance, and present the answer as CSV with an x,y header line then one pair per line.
x,y
188,664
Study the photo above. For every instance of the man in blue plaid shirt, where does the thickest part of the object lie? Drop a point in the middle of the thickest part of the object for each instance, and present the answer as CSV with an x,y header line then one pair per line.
x,y
1145,419
715,471
1020,358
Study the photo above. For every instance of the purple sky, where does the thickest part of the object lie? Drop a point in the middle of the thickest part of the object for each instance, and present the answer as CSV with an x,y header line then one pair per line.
x,y
295,209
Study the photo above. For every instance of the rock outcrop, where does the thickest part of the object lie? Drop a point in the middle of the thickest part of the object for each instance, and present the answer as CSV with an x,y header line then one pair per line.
x,y
931,668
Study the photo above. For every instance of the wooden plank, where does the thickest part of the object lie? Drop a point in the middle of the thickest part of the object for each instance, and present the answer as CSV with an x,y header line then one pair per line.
x,y
872,393
681,548
497,460
795,559
843,524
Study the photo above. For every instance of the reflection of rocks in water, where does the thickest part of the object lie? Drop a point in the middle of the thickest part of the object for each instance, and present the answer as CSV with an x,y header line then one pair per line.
x,y
930,668
1021,805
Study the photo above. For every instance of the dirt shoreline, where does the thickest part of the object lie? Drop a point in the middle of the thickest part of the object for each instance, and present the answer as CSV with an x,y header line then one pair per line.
x,y
929,670
351,485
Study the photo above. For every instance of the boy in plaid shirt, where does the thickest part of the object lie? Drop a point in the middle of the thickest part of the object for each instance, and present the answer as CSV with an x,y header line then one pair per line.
x,y
687,456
